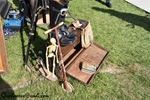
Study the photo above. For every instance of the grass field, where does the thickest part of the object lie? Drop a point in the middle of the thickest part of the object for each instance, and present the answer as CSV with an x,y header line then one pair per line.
x,y
124,30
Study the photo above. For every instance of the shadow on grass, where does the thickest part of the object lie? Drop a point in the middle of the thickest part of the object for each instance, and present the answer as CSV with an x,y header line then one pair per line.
x,y
141,21
6,92
37,44
16,2
100,1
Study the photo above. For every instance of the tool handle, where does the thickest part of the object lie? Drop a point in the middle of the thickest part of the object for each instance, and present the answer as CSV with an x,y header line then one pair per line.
x,y
48,31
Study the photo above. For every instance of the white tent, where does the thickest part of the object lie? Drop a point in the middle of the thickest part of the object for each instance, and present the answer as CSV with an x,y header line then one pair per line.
x,y
143,4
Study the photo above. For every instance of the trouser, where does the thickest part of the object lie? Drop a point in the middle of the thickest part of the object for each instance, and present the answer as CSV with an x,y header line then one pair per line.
x,y
107,1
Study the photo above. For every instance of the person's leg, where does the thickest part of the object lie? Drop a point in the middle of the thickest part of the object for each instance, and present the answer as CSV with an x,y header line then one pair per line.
x,y
107,1
108,4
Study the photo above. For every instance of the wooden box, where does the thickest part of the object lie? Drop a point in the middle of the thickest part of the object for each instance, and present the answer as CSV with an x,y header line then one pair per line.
x,y
74,55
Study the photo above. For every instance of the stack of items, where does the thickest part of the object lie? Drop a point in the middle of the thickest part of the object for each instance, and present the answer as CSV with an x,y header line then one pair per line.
x,y
88,68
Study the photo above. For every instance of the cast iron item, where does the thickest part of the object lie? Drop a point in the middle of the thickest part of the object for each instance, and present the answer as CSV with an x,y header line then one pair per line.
x,y
38,6
44,71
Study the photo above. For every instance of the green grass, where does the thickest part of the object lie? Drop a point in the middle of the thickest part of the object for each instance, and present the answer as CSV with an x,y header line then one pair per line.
x,y
124,30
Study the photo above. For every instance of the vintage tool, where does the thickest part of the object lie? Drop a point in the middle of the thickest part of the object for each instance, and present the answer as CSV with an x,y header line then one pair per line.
x,y
66,85
47,74
31,36
37,9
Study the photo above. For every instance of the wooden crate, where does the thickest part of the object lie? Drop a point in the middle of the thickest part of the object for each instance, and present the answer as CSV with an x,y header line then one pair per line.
x,y
74,55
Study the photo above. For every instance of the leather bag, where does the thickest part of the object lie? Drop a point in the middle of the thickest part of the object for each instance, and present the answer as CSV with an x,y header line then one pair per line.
x,y
86,32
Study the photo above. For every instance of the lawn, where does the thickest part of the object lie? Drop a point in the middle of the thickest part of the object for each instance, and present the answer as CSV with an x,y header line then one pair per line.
x,y
124,30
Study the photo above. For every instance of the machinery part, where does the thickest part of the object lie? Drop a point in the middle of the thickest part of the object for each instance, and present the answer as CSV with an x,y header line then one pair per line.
x,y
47,74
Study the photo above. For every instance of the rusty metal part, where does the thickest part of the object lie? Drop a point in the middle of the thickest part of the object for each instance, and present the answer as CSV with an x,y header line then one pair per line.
x,y
47,74
28,68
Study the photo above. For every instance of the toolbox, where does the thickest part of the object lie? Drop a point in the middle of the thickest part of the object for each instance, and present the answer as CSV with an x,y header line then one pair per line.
x,y
74,56
15,20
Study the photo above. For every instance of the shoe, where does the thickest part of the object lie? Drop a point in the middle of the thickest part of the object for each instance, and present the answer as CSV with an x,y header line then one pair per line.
x,y
64,41
108,5
68,34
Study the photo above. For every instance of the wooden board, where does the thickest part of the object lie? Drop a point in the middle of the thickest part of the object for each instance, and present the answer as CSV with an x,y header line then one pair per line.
x,y
67,49
94,55
77,31
1,65
3,55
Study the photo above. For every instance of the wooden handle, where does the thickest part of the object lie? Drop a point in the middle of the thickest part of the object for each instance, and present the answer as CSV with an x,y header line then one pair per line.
x,y
48,31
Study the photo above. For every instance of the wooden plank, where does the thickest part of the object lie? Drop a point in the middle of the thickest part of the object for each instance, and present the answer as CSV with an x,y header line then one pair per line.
x,y
68,48
95,55
1,65
3,55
